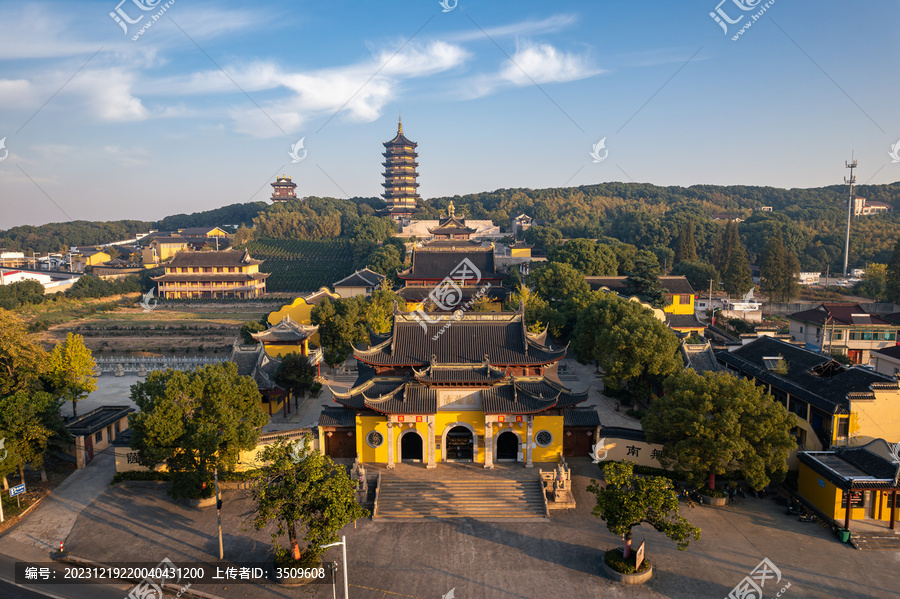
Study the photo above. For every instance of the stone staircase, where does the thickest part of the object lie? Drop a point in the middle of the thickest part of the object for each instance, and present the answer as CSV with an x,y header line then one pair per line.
x,y
486,499
875,541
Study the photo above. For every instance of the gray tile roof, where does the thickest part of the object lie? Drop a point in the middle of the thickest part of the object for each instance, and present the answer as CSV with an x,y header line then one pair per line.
x,y
496,336
337,417
361,278
581,417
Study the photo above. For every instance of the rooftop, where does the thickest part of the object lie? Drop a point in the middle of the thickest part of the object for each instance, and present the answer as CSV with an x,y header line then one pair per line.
x,y
869,466
97,419
840,314
361,278
675,285
220,258
812,377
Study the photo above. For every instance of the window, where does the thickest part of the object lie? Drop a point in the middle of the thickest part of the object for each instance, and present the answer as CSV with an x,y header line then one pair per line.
x,y
801,329
98,436
684,299
543,438
838,335
843,427
117,426
374,439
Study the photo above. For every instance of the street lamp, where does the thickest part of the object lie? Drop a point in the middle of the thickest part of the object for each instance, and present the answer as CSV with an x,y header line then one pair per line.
x,y
218,510
343,544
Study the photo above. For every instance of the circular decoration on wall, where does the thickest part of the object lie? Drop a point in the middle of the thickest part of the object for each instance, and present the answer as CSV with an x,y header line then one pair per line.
x,y
374,439
544,438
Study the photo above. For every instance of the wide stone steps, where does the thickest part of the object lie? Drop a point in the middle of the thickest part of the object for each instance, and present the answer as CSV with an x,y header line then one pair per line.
x,y
485,499
875,541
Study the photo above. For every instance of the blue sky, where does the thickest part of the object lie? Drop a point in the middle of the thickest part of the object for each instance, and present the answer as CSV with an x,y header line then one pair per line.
x,y
203,107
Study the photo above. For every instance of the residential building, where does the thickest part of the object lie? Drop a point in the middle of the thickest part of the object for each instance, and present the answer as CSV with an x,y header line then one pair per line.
x,y
81,258
10,259
886,360
10,276
283,189
864,207
680,296
844,328
400,185
361,282
203,233
479,388
212,275
846,484
835,404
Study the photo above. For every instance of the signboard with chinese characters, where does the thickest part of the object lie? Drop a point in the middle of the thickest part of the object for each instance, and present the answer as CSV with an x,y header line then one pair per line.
x,y
639,556
17,490
459,399
639,452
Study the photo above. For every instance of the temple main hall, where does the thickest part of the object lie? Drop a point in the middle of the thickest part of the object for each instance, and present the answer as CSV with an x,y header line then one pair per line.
x,y
476,387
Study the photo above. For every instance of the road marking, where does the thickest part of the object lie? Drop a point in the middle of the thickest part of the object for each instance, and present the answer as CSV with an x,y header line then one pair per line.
x,y
386,593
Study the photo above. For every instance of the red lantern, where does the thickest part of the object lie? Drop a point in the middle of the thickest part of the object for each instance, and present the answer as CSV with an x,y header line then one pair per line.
x,y
589,433
330,433
568,433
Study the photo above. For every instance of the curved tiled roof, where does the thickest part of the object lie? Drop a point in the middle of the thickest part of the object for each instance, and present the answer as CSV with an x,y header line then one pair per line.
x,y
501,337
286,330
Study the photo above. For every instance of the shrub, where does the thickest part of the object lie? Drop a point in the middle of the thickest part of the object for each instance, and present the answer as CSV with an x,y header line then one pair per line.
x,y
614,560
139,475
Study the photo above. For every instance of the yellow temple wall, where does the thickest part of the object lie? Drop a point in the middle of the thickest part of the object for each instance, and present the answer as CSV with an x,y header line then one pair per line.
x,y
473,418
364,425
275,350
554,424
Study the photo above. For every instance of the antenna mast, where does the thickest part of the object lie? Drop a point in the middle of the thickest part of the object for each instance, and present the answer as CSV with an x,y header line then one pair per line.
x,y
851,180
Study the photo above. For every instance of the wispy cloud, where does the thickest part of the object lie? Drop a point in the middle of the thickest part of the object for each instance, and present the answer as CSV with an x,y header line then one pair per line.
x,y
535,63
551,24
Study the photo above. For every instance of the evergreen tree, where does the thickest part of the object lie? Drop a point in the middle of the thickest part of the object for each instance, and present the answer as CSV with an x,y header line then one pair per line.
x,y
685,246
733,257
643,281
892,282
71,370
779,269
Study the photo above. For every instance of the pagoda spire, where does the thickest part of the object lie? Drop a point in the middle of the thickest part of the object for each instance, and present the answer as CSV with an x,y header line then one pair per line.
x,y
400,123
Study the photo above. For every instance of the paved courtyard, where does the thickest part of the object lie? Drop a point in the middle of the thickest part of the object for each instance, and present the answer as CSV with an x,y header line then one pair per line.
x,y
498,559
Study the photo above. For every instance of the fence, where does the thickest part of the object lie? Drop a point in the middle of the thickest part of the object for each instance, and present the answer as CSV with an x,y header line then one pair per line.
x,y
136,363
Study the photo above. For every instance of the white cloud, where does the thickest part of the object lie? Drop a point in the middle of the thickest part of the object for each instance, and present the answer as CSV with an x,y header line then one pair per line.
x,y
535,64
107,93
549,25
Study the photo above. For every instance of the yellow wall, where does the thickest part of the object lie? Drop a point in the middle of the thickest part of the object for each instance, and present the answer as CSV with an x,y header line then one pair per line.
x,y
554,424
520,252
826,498
412,306
300,312
878,419
274,350
364,425
473,418
677,308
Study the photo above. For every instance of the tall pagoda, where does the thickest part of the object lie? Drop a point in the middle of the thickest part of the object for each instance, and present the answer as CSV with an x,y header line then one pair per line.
x,y
283,189
400,176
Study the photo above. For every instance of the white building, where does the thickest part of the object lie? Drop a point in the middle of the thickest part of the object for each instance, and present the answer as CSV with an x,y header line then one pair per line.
x,y
420,229
810,278
10,276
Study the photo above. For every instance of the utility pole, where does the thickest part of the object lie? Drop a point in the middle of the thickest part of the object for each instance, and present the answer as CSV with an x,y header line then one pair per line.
x,y
710,300
850,180
343,544
218,509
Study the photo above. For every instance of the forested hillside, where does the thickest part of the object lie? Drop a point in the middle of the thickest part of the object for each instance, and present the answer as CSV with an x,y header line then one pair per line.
x,y
811,221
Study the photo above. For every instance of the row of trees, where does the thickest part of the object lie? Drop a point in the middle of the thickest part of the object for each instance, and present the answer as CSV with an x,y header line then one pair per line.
x,y
197,423
33,383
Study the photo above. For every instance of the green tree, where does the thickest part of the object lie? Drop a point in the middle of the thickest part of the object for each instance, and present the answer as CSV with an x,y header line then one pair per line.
x,y
11,461
779,270
23,421
247,330
386,260
342,324
731,261
373,228
535,307
698,273
380,309
295,374
589,258
874,282
628,501
195,422
626,340
22,359
717,423
555,282
70,369
892,277
543,238
643,281
302,486
685,246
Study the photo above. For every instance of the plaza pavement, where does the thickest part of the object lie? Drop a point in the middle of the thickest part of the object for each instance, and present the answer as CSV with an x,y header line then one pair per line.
x,y
498,559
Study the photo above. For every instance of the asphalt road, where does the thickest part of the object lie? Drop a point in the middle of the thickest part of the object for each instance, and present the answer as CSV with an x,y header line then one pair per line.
x,y
10,590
